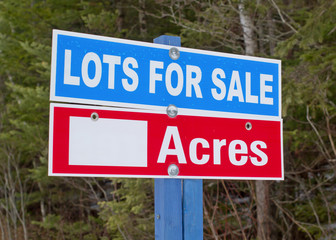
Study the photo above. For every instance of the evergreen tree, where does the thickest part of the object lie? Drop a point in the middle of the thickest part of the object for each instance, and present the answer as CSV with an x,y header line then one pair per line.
x,y
301,33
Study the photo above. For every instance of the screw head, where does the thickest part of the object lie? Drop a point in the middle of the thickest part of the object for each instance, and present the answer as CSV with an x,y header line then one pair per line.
x,y
94,116
174,53
248,126
173,170
172,111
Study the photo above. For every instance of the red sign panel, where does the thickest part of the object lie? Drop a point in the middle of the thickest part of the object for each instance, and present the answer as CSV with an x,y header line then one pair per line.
x,y
98,141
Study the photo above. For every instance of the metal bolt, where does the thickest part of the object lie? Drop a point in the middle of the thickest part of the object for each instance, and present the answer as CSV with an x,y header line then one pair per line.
x,y
172,110
94,116
158,216
248,126
174,53
173,170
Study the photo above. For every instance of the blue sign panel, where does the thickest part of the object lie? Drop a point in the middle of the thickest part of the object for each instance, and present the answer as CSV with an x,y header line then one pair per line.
x,y
115,72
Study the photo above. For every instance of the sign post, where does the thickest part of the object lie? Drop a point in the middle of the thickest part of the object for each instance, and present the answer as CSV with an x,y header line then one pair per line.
x,y
228,123
158,110
178,203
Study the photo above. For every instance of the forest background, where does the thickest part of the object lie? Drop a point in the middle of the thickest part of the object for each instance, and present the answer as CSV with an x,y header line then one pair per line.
x,y
301,33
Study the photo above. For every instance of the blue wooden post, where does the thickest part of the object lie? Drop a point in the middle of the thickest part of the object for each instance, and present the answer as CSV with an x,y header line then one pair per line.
x,y
192,209
168,209
178,203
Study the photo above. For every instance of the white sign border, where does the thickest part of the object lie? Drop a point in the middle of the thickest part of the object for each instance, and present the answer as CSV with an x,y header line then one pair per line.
x,y
210,113
65,105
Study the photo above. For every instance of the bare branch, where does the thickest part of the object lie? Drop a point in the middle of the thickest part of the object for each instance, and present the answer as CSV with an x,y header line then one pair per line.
x,y
281,16
325,151
234,209
289,215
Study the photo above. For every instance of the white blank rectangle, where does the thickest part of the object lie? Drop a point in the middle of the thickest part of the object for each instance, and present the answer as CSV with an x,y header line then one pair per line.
x,y
107,142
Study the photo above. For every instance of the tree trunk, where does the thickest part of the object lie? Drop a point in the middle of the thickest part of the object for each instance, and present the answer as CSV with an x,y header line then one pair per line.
x,y
271,33
262,187
120,18
142,20
263,210
247,25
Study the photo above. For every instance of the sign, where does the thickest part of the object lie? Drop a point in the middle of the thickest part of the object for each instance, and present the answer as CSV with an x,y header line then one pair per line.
x,y
104,141
115,72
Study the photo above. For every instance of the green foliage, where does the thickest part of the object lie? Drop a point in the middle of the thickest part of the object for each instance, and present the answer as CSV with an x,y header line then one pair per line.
x,y
25,113
102,23
131,214
25,50
304,34
56,228
309,108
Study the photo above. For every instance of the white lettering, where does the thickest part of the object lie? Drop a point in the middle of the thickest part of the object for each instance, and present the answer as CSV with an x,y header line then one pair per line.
x,y
265,88
91,82
111,61
193,82
174,67
249,98
217,150
68,79
153,76
258,152
171,132
219,83
233,150
193,151
131,74
235,92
